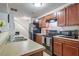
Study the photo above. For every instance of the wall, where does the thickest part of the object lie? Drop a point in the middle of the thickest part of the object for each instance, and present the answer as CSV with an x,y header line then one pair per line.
x,y
8,26
53,26
4,17
22,25
70,28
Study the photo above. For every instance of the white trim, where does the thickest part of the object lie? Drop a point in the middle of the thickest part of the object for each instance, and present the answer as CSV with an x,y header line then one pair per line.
x,y
61,7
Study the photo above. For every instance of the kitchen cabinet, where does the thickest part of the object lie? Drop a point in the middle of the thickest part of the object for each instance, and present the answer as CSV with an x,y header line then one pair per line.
x,y
65,46
51,16
61,17
48,17
72,15
57,47
38,38
70,48
77,13
68,16
42,22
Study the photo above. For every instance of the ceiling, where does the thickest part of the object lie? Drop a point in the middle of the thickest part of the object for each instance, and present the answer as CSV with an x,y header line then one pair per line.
x,y
27,9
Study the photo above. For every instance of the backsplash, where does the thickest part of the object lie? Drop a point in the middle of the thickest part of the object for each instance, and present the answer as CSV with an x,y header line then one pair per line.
x,y
53,26
69,28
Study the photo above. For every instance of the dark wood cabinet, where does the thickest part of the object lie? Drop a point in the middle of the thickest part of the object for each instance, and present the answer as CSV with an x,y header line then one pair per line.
x,y
38,38
61,17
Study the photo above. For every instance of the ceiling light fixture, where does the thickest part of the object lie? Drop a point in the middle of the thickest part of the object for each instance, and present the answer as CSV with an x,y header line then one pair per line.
x,y
38,4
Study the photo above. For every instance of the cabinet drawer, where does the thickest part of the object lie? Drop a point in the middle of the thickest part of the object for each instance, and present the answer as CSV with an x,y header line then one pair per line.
x,y
58,40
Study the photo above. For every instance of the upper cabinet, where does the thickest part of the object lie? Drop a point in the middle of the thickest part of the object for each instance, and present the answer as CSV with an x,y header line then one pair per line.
x,y
72,15
40,20
51,16
43,20
77,14
61,17
68,16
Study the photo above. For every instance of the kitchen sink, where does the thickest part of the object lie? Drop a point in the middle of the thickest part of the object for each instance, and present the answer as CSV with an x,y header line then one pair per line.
x,y
19,39
68,37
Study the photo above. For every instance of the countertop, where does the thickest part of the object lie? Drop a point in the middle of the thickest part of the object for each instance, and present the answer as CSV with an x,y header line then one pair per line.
x,y
40,34
59,36
20,48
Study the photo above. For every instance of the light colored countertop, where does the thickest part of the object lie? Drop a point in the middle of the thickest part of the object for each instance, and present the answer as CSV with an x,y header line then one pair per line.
x,y
40,34
59,36
4,38
20,48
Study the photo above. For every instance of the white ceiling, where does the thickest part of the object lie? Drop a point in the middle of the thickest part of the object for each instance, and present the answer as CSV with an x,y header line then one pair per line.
x,y
27,9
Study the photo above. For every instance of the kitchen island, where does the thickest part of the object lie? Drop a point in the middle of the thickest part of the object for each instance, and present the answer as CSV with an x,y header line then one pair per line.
x,y
22,48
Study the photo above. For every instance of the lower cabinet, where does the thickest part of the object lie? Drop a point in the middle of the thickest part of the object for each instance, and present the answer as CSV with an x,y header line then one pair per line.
x,y
65,47
38,38
70,50
58,48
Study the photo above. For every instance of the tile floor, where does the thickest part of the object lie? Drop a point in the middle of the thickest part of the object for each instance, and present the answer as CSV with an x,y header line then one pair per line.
x,y
45,54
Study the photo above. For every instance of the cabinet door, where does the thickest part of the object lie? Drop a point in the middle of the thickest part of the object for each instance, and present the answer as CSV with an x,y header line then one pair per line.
x,y
38,39
69,50
77,13
58,48
43,22
40,24
72,15
48,17
61,18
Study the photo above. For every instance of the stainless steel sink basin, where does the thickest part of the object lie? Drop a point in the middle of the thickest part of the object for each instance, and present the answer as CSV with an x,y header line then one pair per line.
x,y
19,39
68,37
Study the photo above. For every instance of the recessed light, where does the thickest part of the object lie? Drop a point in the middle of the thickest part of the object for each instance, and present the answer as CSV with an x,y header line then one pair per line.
x,y
38,4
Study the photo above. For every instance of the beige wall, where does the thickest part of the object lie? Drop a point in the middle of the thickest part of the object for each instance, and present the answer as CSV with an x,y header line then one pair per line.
x,y
22,25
